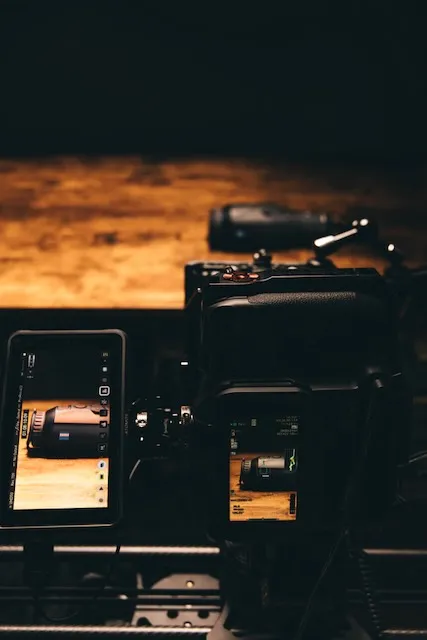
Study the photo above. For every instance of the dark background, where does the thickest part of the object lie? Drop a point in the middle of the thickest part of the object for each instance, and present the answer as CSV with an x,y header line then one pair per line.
x,y
320,84
65,374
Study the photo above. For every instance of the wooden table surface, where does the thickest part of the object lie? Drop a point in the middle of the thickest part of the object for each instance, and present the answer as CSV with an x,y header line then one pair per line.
x,y
117,231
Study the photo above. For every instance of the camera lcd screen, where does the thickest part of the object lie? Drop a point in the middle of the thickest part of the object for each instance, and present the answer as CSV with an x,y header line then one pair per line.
x,y
61,426
263,468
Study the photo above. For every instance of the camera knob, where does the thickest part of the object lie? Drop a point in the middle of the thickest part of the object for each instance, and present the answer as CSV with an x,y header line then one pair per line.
x,y
186,415
36,427
262,259
366,226
141,419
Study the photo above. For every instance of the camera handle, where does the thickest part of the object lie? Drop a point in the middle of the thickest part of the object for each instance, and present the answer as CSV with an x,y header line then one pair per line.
x,y
362,231
406,283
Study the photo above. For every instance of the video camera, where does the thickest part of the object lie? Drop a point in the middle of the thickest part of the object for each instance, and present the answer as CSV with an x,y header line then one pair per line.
x,y
290,357
300,357
291,406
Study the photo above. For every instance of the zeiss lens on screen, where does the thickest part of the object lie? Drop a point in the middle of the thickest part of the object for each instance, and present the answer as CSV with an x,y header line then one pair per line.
x,y
68,430
272,473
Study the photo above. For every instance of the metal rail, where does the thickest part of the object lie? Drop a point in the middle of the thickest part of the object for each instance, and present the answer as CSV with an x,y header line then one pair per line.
x,y
406,633
414,553
36,631
73,550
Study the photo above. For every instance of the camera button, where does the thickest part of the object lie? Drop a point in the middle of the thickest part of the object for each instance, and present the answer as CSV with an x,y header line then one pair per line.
x,y
104,391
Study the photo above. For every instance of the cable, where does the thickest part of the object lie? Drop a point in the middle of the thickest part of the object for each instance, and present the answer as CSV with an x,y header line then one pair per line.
x,y
406,469
40,609
134,469
38,577
38,561
108,575
308,608
352,486
364,568
39,555
417,457
36,596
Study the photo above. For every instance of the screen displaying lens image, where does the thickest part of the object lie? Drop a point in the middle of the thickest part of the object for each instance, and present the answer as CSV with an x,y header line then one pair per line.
x,y
60,455
263,468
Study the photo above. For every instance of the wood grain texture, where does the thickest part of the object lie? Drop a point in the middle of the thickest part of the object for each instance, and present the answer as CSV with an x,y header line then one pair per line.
x,y
117,231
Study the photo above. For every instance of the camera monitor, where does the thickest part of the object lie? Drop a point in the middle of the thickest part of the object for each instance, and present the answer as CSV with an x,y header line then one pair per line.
x,y
258,478
284,455
62,429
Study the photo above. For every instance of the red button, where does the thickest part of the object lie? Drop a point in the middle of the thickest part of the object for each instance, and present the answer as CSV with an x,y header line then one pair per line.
x,y
240,277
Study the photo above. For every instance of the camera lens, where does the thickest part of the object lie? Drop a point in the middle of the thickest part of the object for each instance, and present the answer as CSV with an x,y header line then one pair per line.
x,y
68,431
269,473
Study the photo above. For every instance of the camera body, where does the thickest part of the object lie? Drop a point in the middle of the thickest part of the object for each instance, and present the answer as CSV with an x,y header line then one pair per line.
x,y
251,322
273,343
274,407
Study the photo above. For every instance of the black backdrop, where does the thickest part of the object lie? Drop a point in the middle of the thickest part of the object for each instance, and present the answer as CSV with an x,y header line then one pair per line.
x,y
251,78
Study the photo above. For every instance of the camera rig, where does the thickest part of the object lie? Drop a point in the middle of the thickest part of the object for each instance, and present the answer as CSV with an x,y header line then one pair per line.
x,y
349,371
